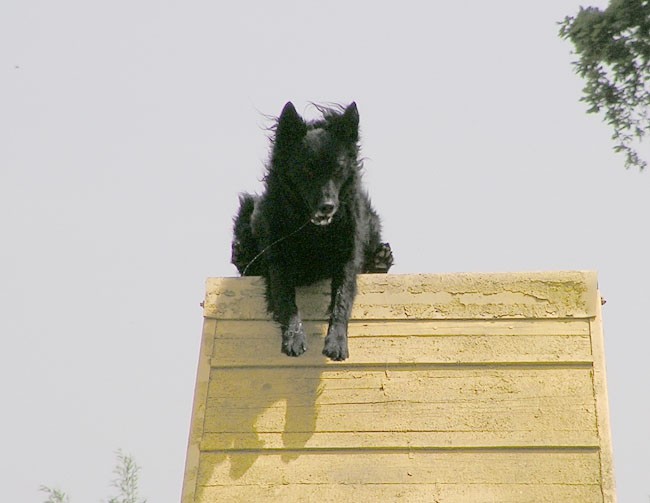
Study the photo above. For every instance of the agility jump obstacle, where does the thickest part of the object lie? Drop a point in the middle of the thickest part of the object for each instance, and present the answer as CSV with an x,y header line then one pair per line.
x,y
459,388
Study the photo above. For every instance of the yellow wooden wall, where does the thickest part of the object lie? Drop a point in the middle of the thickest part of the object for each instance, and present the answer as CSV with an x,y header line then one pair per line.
x,y
460,388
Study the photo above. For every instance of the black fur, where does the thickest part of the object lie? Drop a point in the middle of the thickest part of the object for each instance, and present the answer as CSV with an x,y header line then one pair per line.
x,y
313,221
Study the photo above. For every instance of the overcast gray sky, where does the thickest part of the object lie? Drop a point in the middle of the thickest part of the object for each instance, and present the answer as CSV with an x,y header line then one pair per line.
x,y
128,128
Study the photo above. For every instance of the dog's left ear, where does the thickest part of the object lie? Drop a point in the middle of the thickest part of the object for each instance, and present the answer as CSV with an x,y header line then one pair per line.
x,y
290,127
347,127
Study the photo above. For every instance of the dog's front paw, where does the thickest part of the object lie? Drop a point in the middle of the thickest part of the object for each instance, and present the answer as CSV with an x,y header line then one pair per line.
x,y
336,344
382,259
294,341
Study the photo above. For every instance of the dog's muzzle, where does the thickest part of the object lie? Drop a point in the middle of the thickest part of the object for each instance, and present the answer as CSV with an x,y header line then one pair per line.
x,y
324,215
321,220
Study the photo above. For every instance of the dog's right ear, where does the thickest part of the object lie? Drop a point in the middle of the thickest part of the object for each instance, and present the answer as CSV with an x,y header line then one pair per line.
x,y
290,127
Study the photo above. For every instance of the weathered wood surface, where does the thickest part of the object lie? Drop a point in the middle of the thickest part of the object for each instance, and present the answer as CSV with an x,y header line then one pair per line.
x,y
413,341
423,296
459,388
366,408
435,476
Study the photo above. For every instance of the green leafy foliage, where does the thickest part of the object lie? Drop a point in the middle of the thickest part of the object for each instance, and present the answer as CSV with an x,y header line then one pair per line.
x,y
54,495
126,482
613,47
127,472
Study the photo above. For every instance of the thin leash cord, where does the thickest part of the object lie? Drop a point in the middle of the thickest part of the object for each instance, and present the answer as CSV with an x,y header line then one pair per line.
x,y
273,244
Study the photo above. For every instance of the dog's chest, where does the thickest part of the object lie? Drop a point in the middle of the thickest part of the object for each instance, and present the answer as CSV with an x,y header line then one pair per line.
x,y
318,251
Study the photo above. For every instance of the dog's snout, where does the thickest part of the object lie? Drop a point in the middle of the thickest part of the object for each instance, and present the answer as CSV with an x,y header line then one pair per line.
x,y
325,211
327,208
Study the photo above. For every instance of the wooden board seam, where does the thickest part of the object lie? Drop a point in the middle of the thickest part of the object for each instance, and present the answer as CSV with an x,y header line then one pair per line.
x,y
547,449
408,366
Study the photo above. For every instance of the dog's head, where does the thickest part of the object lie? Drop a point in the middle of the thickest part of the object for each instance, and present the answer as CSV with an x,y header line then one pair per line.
x,y
318,160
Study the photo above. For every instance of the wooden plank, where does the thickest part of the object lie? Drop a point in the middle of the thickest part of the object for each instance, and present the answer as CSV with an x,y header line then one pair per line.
x,y
506,476
577,327
408,493
255,343
262,442
423,296
300,408
198,411
467,327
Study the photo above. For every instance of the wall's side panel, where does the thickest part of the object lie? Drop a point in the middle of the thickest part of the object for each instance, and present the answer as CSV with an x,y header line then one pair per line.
x,y
602,407
192,459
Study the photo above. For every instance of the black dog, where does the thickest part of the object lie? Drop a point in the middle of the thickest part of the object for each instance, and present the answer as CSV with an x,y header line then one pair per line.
x,y
313,221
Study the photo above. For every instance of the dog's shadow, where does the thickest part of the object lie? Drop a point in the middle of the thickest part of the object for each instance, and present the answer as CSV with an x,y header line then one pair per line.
x,y
269,408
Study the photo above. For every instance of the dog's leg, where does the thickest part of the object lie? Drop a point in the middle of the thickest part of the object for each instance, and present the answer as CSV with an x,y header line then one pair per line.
x,y
344,289
244,250
281,300
378,257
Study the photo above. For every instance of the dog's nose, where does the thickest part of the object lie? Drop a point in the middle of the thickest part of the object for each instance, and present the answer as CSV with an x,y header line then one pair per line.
x,y
326,208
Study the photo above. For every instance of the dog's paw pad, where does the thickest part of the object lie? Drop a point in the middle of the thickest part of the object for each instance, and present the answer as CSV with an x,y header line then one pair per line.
x,y
336,348
382,260
294,343
336,353
294,349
